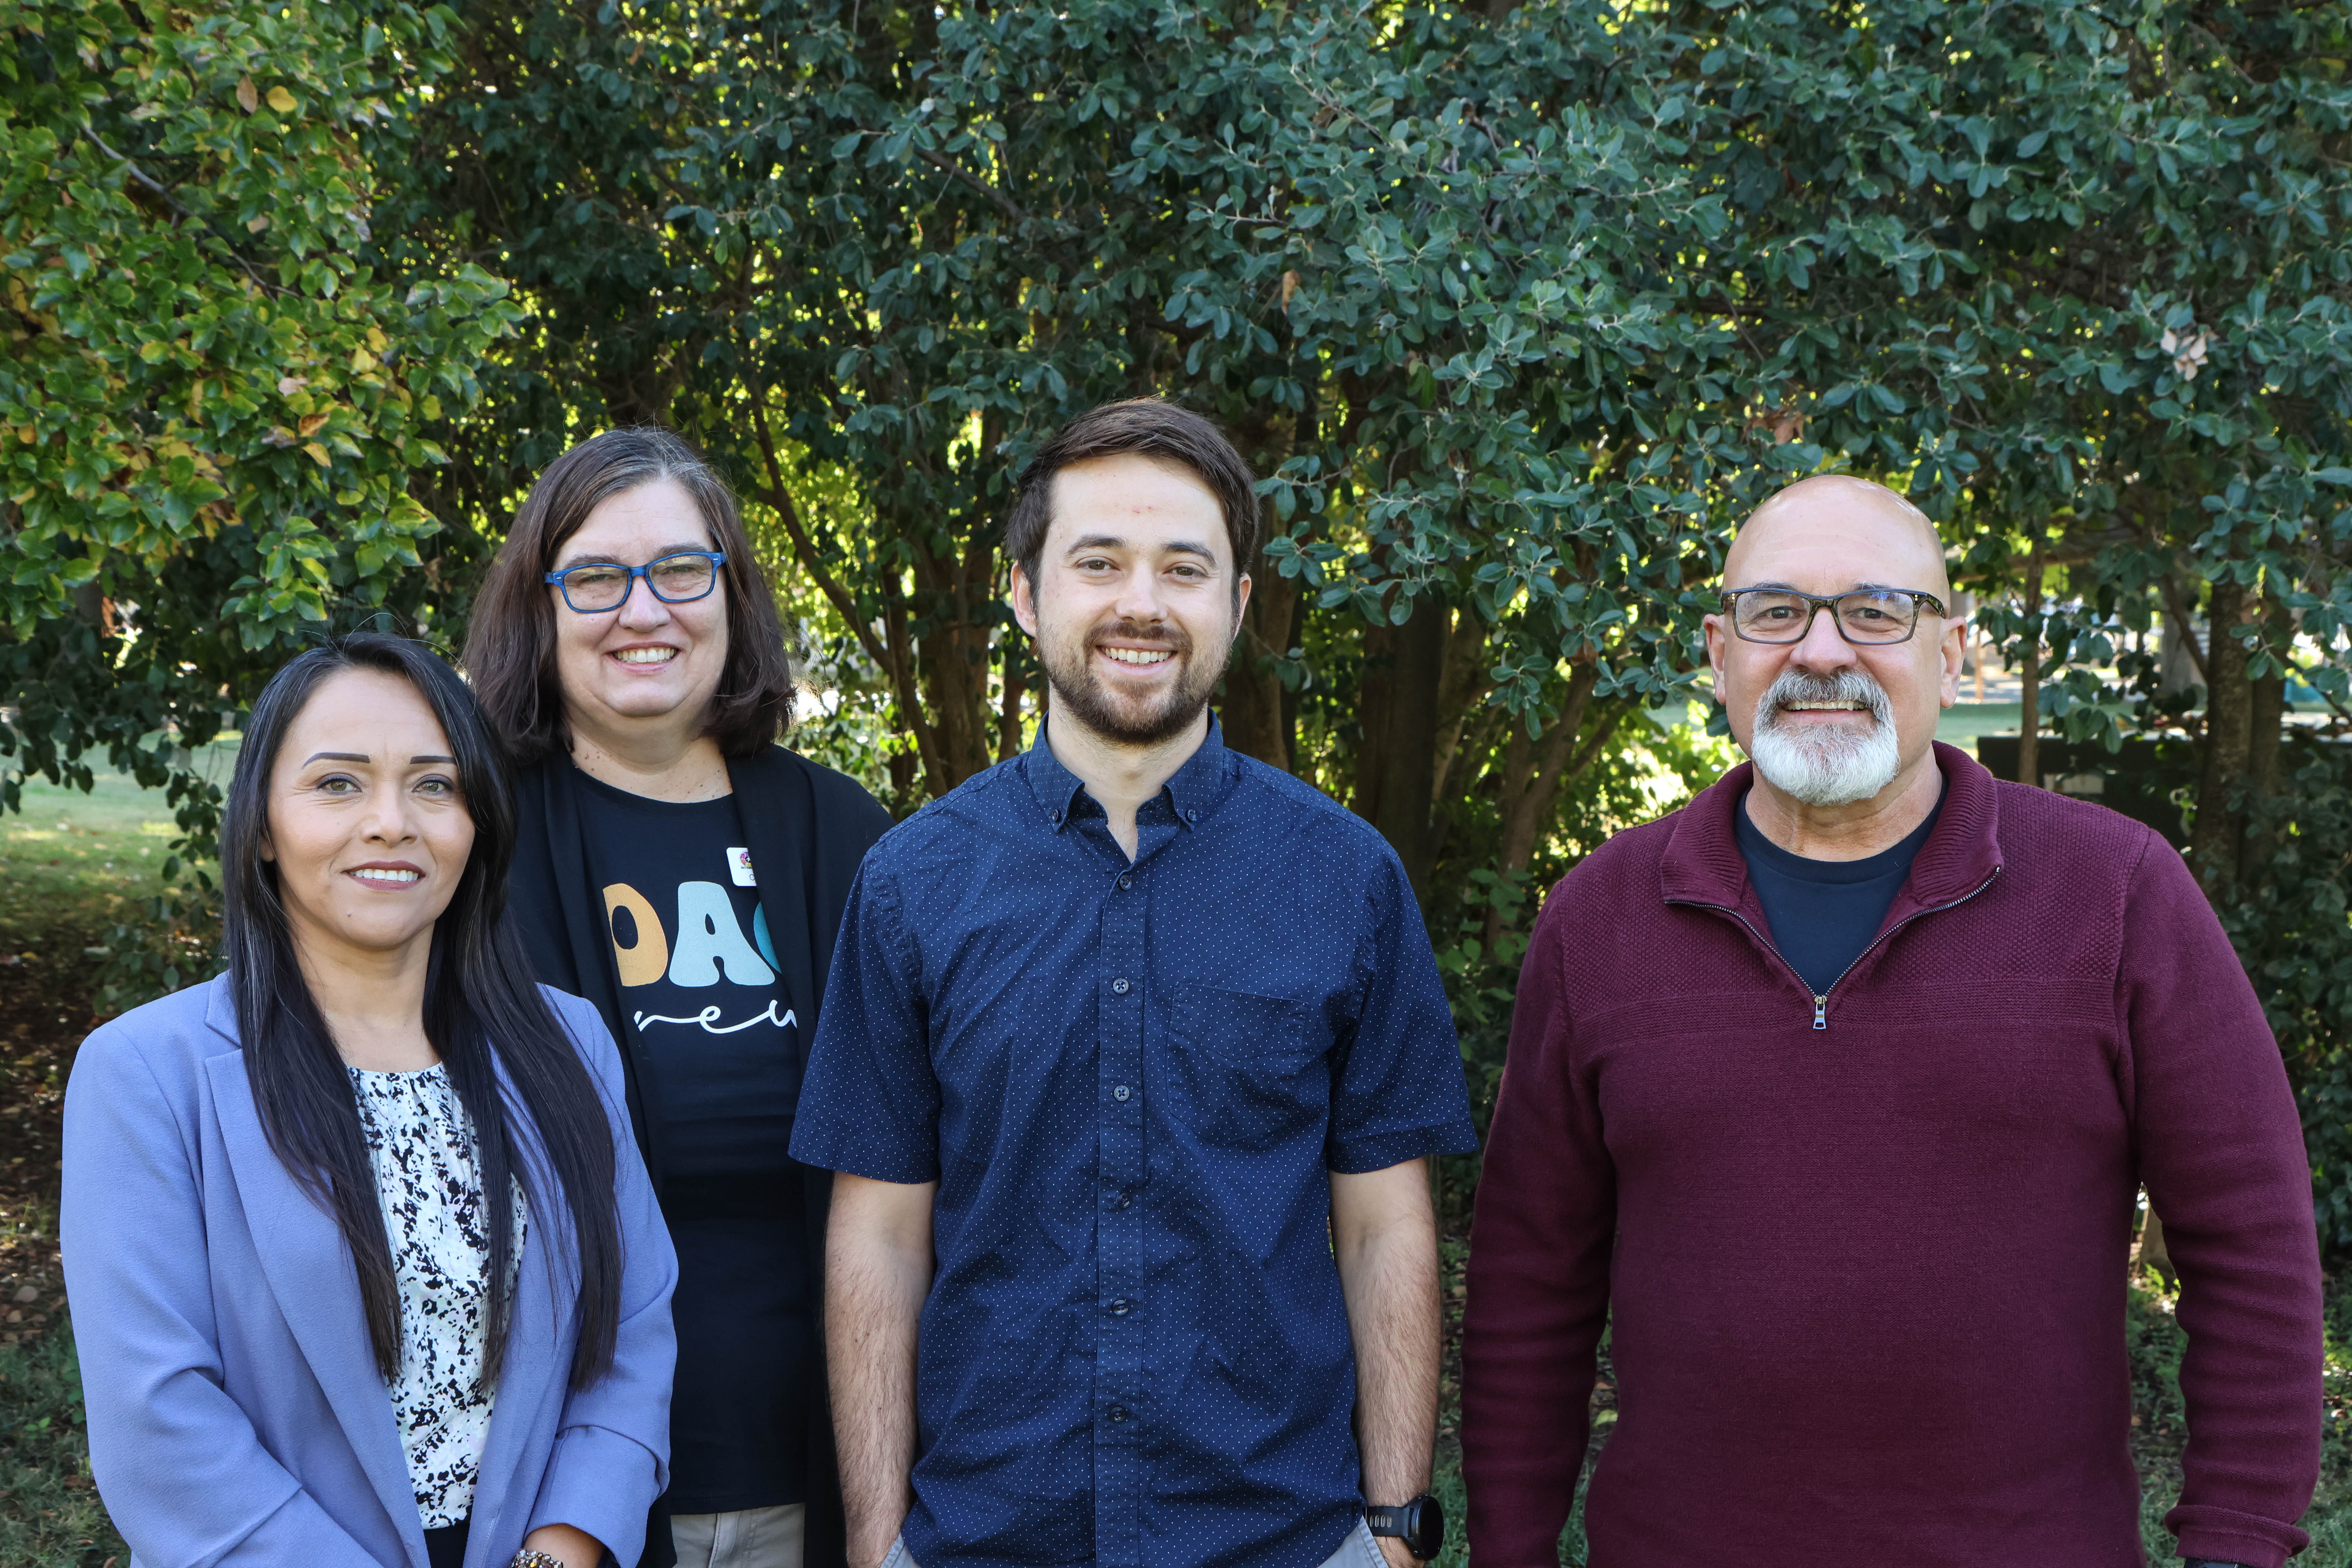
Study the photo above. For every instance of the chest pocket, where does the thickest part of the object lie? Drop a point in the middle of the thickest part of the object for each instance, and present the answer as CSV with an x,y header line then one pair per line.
x,y
1271,1034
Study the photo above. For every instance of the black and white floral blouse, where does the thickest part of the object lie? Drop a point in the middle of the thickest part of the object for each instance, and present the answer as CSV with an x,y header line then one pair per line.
x,y
421,1145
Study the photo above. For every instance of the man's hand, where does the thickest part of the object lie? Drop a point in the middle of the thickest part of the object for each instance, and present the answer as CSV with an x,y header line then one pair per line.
x,y
878,1272
1384,1238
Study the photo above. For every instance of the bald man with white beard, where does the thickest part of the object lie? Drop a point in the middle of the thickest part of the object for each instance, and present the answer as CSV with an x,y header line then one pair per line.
x,y
1829,1097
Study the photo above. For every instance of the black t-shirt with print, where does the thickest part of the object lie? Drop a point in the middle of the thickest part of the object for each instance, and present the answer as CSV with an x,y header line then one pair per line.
x,y
719,1050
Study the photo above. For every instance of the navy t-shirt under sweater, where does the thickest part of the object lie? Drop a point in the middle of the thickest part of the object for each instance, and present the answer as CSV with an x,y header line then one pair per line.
x,y
720,1050
1824,914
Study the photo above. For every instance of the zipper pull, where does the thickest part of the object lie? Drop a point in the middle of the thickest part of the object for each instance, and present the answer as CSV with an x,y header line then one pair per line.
x,y
1821,1012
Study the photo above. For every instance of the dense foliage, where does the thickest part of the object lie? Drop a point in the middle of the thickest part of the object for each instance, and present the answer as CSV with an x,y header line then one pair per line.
x,y
211,410
1519,307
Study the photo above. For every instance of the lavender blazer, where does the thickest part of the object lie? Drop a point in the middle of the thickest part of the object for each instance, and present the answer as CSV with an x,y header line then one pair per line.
x,y
236,1414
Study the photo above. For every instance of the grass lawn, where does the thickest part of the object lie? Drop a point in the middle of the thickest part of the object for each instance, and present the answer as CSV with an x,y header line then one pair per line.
x,y
71,865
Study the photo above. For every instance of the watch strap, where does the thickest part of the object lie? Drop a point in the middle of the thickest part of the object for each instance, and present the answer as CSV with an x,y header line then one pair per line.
x,y
1389,1521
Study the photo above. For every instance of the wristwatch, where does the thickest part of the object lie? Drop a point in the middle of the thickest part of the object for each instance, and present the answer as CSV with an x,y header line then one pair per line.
x,y
1420,1524
527,1558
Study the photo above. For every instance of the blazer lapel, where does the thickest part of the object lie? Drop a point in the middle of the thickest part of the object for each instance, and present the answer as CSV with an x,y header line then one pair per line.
x,y
310,1272
538,1360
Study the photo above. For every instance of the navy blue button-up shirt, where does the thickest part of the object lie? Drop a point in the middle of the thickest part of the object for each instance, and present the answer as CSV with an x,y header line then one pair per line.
x,y
1130,1082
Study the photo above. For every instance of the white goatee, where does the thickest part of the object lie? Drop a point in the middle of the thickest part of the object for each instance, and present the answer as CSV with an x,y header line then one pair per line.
x,y
1825,764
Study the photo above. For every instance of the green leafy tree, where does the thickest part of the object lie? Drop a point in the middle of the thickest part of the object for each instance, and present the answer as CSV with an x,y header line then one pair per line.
x,y
210,405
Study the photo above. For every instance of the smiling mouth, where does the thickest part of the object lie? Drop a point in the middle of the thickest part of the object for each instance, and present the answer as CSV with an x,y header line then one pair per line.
x,y
1824,708
384,877
1140,657
645,655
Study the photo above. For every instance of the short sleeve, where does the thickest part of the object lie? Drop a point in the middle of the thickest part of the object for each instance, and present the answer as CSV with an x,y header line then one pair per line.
x,y
870,1104
1398,1092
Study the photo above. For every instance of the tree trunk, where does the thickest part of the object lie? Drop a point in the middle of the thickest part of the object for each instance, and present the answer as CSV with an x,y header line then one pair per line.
x,y
1408,762
1252,709
2028,695
1008,715
953,657
2154,1256
2266,720
1535,773
2219,838
1464,683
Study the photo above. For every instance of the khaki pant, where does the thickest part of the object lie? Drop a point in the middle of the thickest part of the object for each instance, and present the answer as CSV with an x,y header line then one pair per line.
x,y
754,1538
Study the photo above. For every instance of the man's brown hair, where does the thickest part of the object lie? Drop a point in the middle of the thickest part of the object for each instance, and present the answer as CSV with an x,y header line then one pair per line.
x,y
510,640
1149,428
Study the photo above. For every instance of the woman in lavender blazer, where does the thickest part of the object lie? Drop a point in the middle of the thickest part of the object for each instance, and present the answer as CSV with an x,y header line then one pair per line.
x,y
309,1334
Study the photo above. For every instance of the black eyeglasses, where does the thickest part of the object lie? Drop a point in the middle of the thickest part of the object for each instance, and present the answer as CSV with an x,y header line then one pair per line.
x,y
1870,616
596,587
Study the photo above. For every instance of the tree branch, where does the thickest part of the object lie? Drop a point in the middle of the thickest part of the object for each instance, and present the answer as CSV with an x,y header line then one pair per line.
x,y
890,659
2177,607
163,193
776,497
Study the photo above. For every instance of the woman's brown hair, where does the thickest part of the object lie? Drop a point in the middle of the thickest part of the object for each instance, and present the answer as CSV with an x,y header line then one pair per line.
x,y
510,639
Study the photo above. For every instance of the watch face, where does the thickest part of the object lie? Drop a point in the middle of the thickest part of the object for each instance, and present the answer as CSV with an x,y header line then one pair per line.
x,y
1424,1528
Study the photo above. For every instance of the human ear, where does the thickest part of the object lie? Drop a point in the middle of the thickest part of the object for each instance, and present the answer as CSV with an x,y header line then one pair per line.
x,y
1024,599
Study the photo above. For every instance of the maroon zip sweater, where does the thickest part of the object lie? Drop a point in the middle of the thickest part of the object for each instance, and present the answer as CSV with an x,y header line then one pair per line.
x,y
1864,1256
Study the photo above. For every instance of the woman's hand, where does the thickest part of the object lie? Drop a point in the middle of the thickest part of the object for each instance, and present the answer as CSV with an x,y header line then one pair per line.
x,y
572,1548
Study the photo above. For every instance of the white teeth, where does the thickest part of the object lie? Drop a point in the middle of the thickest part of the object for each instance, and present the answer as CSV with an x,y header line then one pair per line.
x,y
647,655
1139,655
391,878
1822,707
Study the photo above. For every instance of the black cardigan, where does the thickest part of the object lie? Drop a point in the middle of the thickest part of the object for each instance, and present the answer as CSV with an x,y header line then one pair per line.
x,y
809,827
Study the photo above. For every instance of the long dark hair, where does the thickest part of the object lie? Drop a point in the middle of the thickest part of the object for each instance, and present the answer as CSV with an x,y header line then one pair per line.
x,y
511,636
482,1012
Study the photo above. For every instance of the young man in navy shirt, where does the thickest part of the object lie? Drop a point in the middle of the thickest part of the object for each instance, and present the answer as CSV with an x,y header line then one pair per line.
x,y
1132,1058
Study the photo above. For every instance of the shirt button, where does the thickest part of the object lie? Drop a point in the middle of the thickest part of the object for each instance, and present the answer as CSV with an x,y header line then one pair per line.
x,y
1119,985
1120,1093
1055,818
1191,815
1125,881
1124,1199
1118,1412
1118,1308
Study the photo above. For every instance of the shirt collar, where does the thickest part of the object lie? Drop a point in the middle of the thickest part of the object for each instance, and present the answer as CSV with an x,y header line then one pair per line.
x,y
1193,792
1703,864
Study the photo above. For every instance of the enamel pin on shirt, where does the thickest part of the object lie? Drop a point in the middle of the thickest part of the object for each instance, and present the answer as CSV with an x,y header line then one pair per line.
x,y
739,866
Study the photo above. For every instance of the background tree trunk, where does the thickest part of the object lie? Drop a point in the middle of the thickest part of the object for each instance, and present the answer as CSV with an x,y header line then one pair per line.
x,y
1252,712
2219,836
2029,694
1407,761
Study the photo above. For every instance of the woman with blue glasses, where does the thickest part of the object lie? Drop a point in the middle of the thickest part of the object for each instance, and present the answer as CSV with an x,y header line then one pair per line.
x,y
686,874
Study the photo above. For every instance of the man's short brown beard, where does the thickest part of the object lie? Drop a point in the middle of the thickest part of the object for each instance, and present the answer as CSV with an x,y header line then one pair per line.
x,y
1091,706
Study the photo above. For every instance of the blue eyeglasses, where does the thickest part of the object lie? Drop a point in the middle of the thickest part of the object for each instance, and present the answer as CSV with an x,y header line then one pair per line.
x,y
596,587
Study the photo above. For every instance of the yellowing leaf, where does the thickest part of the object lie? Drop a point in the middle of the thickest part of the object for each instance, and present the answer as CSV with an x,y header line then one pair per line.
x,y
247,98
282,101
288,385
363,362
311,425
257,224
317,454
